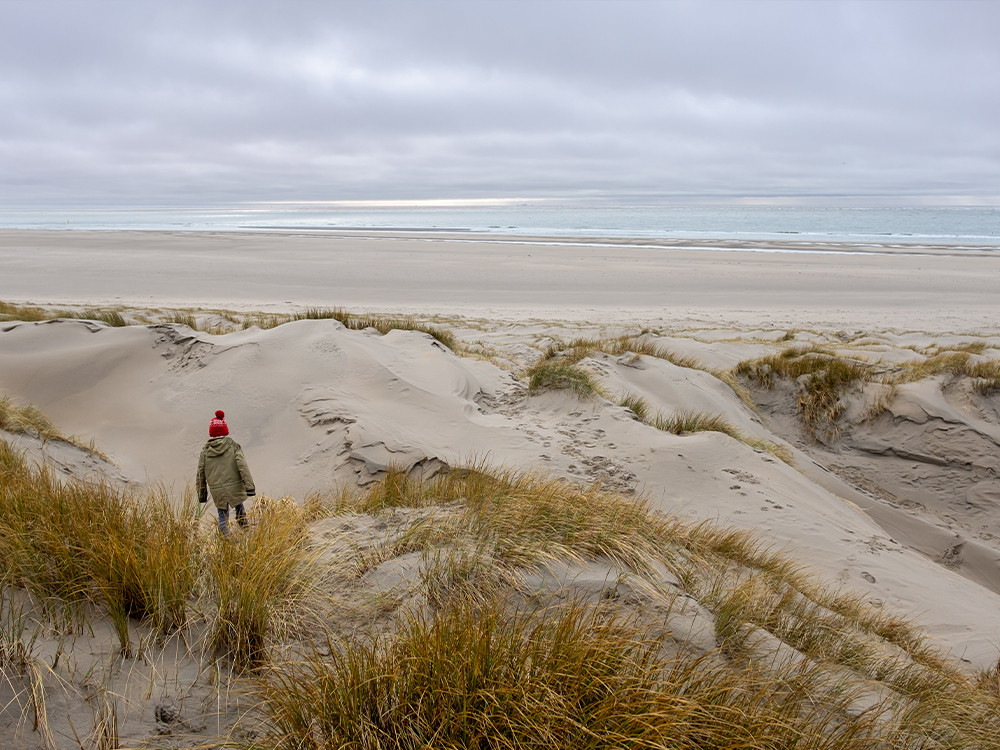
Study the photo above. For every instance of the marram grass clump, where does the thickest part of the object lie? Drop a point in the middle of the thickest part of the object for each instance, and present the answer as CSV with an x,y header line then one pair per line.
x,y
488,664
259,582
822,378
381,323
27,419
90,542
548,374
573,676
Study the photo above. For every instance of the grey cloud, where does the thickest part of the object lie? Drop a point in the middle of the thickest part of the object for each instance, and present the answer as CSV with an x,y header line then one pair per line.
x,y
224,101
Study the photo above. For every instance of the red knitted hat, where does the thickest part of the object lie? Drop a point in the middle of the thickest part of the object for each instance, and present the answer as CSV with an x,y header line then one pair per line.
x,y
218,427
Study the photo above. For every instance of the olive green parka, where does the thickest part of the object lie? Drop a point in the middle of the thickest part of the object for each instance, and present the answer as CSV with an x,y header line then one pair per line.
x,y
223,468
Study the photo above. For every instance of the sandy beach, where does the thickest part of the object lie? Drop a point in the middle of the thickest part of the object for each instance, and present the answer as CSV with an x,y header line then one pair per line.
x,y
803,285
896,498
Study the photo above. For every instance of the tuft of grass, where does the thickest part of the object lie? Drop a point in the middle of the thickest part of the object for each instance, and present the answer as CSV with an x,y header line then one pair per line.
x,y
184,319
396,489
113,318
381,323
27,419
26,313
554,375
691,421
822,379
478,676
579,349
526,518
259,581
521,519
474,677
29,313
322,313
384,325
635,404
954,363
641,345
88,542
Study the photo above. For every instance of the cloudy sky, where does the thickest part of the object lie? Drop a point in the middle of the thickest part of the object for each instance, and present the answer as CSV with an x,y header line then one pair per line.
x,y
173,102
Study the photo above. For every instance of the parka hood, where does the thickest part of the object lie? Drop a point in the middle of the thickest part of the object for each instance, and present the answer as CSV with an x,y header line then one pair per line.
x,y
217,446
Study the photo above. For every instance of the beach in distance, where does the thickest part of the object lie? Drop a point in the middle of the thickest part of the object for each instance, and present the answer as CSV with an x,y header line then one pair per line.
x,y
720,282
819,423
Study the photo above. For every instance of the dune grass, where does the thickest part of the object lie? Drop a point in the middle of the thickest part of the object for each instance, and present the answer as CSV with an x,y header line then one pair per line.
x,y
985,374
28,313
384,324
183,318
823,378
27,419
82,542
640,345
112,317
548,374
485,667
21,666
258,583
635,404
690,422
381,323
115,317
480,676
140,557
683,422
485,663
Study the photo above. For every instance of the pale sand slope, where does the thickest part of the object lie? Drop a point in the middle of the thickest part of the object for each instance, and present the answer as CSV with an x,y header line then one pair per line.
x,y
315,404
930,289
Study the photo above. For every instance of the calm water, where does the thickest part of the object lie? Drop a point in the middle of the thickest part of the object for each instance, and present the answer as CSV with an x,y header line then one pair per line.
x,y
973,227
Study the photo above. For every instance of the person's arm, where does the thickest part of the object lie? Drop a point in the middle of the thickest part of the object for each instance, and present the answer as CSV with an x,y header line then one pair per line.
x,y
200,484
241,464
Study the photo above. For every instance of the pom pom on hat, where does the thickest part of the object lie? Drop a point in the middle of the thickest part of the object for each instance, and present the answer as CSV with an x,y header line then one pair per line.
x,y
218,427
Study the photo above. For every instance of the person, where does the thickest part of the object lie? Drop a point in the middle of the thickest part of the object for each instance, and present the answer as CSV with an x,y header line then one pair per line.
x,y
222,468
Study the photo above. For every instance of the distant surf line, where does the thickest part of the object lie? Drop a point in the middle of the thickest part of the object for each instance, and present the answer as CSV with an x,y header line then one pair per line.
x,y
834,248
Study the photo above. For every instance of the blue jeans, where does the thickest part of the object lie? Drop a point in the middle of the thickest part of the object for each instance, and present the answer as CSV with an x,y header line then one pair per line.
x,y
241,518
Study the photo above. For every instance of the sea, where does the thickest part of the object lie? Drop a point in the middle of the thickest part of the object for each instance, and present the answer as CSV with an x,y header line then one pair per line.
x,y
975,228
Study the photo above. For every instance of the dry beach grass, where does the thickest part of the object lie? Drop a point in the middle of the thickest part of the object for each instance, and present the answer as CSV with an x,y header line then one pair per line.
x,y
502,639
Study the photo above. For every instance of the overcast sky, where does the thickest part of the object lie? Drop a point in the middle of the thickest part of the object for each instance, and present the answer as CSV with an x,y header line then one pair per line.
x,y
175,102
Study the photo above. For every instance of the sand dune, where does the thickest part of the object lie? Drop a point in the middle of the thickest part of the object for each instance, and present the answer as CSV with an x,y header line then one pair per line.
x,y
317,406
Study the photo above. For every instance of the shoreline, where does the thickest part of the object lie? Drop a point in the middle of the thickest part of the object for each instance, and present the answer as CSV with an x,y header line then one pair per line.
x,y
793,243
